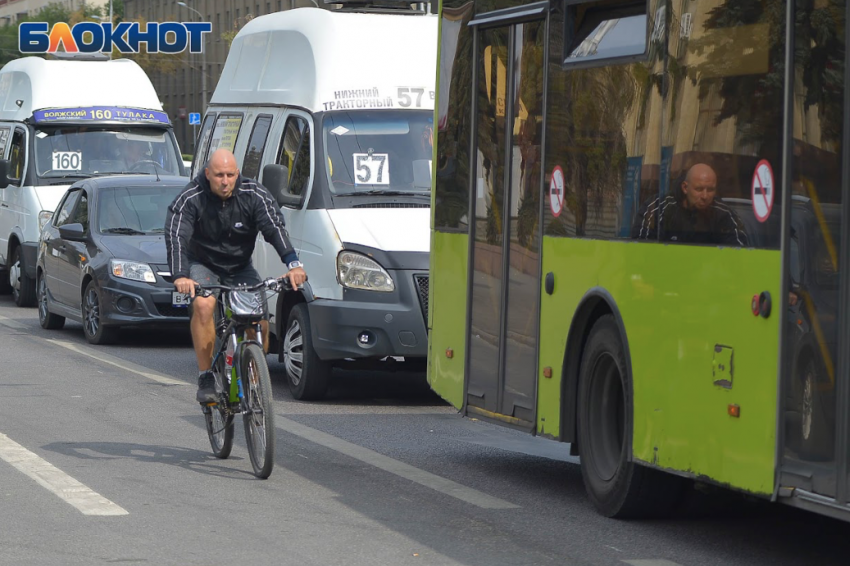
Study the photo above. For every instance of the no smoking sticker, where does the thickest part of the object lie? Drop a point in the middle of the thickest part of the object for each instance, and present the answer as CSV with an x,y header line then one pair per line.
x,y
763,190
556,191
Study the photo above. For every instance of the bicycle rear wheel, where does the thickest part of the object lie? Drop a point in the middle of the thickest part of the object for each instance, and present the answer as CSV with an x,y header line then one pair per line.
x,y
257,410
219,421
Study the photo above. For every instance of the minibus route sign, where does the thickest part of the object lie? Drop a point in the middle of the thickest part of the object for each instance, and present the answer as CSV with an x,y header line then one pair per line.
x,y
101,114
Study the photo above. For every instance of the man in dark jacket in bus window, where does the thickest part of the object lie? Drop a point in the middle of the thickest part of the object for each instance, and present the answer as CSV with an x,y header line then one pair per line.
x,y
693,215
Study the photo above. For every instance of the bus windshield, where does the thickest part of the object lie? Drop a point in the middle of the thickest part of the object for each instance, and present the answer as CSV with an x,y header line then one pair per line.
x,y
378,152
85,151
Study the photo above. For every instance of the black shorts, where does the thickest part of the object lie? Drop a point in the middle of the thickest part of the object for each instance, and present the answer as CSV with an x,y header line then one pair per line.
x,y
203,275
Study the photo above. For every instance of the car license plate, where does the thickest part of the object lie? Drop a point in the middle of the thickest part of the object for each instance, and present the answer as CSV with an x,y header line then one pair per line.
x,y
180,299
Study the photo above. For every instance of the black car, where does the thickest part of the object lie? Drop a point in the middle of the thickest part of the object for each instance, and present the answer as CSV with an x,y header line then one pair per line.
x,y
101,258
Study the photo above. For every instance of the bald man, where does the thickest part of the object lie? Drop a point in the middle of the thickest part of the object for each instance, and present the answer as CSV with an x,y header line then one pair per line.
x,y
210,232
693,215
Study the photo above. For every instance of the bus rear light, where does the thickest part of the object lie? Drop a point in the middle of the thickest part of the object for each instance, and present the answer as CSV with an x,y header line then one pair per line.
x,y
734,410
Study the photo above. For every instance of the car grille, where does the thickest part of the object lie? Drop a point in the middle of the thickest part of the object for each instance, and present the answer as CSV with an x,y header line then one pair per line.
x,y
163,268
165,309
422,288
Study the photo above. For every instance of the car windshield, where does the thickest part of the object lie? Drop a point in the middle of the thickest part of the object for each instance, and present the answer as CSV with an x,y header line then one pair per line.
x,y
85,151
381,151
134,210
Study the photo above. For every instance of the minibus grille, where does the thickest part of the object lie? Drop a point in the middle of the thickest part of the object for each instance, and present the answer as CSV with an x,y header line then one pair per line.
x,y
422,288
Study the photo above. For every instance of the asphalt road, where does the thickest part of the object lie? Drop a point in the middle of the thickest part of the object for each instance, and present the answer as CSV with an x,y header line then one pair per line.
x,y
104,459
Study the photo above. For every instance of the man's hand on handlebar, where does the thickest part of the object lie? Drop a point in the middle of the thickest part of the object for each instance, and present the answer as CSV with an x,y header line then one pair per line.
x,y
186,286
296,277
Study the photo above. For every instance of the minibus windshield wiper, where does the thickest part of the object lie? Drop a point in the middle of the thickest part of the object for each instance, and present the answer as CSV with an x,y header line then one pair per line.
x,y
66,175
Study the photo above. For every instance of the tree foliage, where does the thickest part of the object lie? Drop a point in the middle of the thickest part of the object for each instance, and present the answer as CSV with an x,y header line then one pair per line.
x,y
56,12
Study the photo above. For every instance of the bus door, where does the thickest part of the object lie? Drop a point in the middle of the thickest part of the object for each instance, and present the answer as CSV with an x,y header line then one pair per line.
x,y
504,286
814,384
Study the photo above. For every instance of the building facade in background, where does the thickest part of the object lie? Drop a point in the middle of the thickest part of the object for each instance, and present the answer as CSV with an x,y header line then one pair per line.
x,y
181,92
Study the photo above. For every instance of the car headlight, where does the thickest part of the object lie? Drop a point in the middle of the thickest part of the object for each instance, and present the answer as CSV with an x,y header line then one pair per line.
x,y
357,271
133,270
43,219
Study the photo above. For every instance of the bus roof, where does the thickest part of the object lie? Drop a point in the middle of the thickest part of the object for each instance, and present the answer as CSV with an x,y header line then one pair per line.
x,y
329,60
40,84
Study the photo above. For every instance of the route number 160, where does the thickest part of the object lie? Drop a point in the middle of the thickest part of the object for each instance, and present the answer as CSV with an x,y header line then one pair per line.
x,y
67,160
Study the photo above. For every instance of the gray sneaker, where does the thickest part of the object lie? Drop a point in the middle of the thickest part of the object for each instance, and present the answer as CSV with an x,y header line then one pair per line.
x,y
206,388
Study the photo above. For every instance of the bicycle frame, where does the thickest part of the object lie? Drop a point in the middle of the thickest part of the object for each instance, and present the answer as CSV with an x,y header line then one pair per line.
x,y
237,334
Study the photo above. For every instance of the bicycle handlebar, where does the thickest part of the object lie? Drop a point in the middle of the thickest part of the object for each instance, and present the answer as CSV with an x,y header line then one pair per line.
x,y
270,283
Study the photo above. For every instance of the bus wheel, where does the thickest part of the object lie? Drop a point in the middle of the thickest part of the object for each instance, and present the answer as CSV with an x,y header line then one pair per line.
x,y
617,486
817,440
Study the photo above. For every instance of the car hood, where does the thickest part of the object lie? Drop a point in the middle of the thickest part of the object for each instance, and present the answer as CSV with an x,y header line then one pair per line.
x,y
147,249
388,229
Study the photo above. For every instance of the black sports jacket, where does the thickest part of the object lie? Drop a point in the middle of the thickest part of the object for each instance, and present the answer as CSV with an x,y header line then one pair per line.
x,y
718,224
221,234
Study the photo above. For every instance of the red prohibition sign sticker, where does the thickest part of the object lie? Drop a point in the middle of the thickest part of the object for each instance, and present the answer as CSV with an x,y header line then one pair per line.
x,y
556,191
763,190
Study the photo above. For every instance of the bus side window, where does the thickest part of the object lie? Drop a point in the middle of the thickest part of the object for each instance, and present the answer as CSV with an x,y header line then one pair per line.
x,y
295,153
4,140
17,155
203,142
256,144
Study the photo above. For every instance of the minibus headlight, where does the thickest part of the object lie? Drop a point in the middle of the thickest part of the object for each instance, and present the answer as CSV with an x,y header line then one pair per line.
x,y
356,271
133,270
43,219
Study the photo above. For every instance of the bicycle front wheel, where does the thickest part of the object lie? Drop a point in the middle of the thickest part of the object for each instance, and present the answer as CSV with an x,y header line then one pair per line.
x,y
218,419
257,410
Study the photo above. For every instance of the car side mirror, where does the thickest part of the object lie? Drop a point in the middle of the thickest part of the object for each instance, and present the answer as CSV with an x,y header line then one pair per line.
x,y
4,173
276,180
73,232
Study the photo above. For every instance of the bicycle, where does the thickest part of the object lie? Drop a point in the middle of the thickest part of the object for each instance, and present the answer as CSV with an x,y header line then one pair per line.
x,y
239,309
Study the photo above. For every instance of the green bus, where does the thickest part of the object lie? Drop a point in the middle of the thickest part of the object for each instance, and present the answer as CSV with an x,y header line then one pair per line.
x,y
639,229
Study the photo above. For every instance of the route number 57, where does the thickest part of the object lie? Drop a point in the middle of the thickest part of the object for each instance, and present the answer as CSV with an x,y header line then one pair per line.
x,y
405,99
371,169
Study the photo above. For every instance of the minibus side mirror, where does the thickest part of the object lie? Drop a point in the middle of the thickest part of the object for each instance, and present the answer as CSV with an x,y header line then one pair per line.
x,y
276,180
4,173
72,232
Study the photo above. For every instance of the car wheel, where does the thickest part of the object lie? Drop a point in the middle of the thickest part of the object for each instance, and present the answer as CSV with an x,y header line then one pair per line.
x,y
47,319
307,375
23,288
93,327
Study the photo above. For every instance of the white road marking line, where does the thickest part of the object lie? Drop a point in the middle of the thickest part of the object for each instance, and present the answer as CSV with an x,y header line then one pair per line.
x,y
12,323
659,562
388,464
47,475
118,362
366,455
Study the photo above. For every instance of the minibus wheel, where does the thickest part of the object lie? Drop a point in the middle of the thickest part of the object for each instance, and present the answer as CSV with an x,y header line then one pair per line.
x,y
23,288
306,374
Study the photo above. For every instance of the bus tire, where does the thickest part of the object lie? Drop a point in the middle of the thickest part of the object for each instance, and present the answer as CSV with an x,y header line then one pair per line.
x,y
307,375
817,437
617,486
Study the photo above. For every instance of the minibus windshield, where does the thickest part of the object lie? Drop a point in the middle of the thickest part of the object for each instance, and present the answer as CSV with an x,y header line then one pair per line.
x,y
84,151
378,152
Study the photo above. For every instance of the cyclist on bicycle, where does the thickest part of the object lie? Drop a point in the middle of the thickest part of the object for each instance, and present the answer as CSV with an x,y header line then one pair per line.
x,y
210,232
